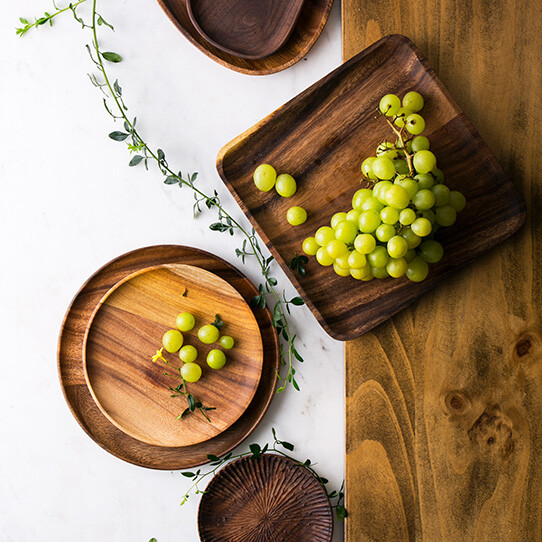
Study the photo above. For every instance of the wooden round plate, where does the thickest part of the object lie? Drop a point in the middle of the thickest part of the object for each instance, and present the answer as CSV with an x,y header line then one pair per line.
x,y
270,499
72,374
126,330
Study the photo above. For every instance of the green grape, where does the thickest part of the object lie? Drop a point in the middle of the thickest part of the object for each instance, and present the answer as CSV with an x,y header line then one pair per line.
x,y
388,150
226,342
362,273
389,105
342,261
415,124
296,215
420,143
397,197
365,243
383,168
425,181
417,270
402,114
378,257
360,196
346,231
446,215
265,177
430,215
310,246
379,272
357,260
372,203
188,354
216,359
424,161
340,271
442,194
285,185
396,267
438,175
457,200
385,232
431,251
413,100
397,246
411,238
367,168
172,340
323,257
208,334
424,199
336,248
380,189
401,166
191,372
336,218
369,221
389,215
410,255
353,215
410,185
407,216
185,321
324,235
421,227
408,144
369,276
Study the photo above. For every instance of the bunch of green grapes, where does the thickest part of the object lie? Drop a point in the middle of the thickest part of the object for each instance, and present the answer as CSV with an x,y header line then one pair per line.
x,y
389,231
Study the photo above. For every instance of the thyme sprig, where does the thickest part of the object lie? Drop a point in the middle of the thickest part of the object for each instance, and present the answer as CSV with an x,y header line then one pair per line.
x,y
254,452
142,153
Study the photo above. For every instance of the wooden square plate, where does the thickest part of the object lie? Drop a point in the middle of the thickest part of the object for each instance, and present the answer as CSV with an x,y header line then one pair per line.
x,y
322,136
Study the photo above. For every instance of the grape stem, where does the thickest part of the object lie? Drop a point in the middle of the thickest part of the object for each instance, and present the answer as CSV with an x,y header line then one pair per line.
x,y
399,134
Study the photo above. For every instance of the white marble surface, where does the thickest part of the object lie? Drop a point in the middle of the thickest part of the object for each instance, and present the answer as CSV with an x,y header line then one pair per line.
x,y
69,204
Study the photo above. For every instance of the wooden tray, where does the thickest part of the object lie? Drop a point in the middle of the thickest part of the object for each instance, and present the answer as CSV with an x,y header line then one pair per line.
x,y
126,330
321,138
308,28
79,398
270,499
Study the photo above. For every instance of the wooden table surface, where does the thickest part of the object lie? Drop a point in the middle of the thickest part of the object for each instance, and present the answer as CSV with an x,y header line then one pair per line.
x,y
444,401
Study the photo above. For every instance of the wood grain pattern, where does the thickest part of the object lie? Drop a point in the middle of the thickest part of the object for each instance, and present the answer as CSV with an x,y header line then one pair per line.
x,y
245,28
322,136
125,332
309,26
79,398
444,400
271,499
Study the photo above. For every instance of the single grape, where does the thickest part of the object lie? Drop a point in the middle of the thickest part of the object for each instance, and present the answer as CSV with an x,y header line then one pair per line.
x,y
172,340
310,246
285,185
372,203
401,166
191,372
417,270
396,267
421,227
365,243
324,235
346,231
425,181
362,273
457,200
446,215
383,168
323,257
413,101
415,124
402,114
378,257
411,238
265,177
188,353
389,105
431,251
296,215
341,271
226,342
336,248
380,272
216,359
336,218
420,143
388,150
384,232
424,199
360,196
342,261
439,176
397,246
357,260
389,215
353,215
208,334
369,221
410,255
442,194
185,321
424,161
380,189
367,168
410,185
430,215
407,216
397,197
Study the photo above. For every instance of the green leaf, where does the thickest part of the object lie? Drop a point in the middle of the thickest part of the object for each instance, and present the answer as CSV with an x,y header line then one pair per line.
x,y
160,154
212,457
153,540
191,402
288,446
112,57
23,20
118,136
340,512
136,160
218,226
256,450
298,301
295,384
188,474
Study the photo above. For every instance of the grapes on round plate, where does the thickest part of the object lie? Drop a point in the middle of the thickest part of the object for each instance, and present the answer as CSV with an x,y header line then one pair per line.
x,y
226,342
216,359
208,334
188,353
185,321
172,340
191,372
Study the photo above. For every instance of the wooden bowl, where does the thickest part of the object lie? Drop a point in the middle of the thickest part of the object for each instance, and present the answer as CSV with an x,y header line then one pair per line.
x,y
72,374
245,28
126,330
270,499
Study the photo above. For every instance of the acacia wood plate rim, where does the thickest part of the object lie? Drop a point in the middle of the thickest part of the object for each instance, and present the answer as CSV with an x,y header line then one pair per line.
x,y
109,416
79,399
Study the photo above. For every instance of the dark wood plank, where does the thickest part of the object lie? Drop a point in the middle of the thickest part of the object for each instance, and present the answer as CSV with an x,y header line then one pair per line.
x,y
322,136
444,401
